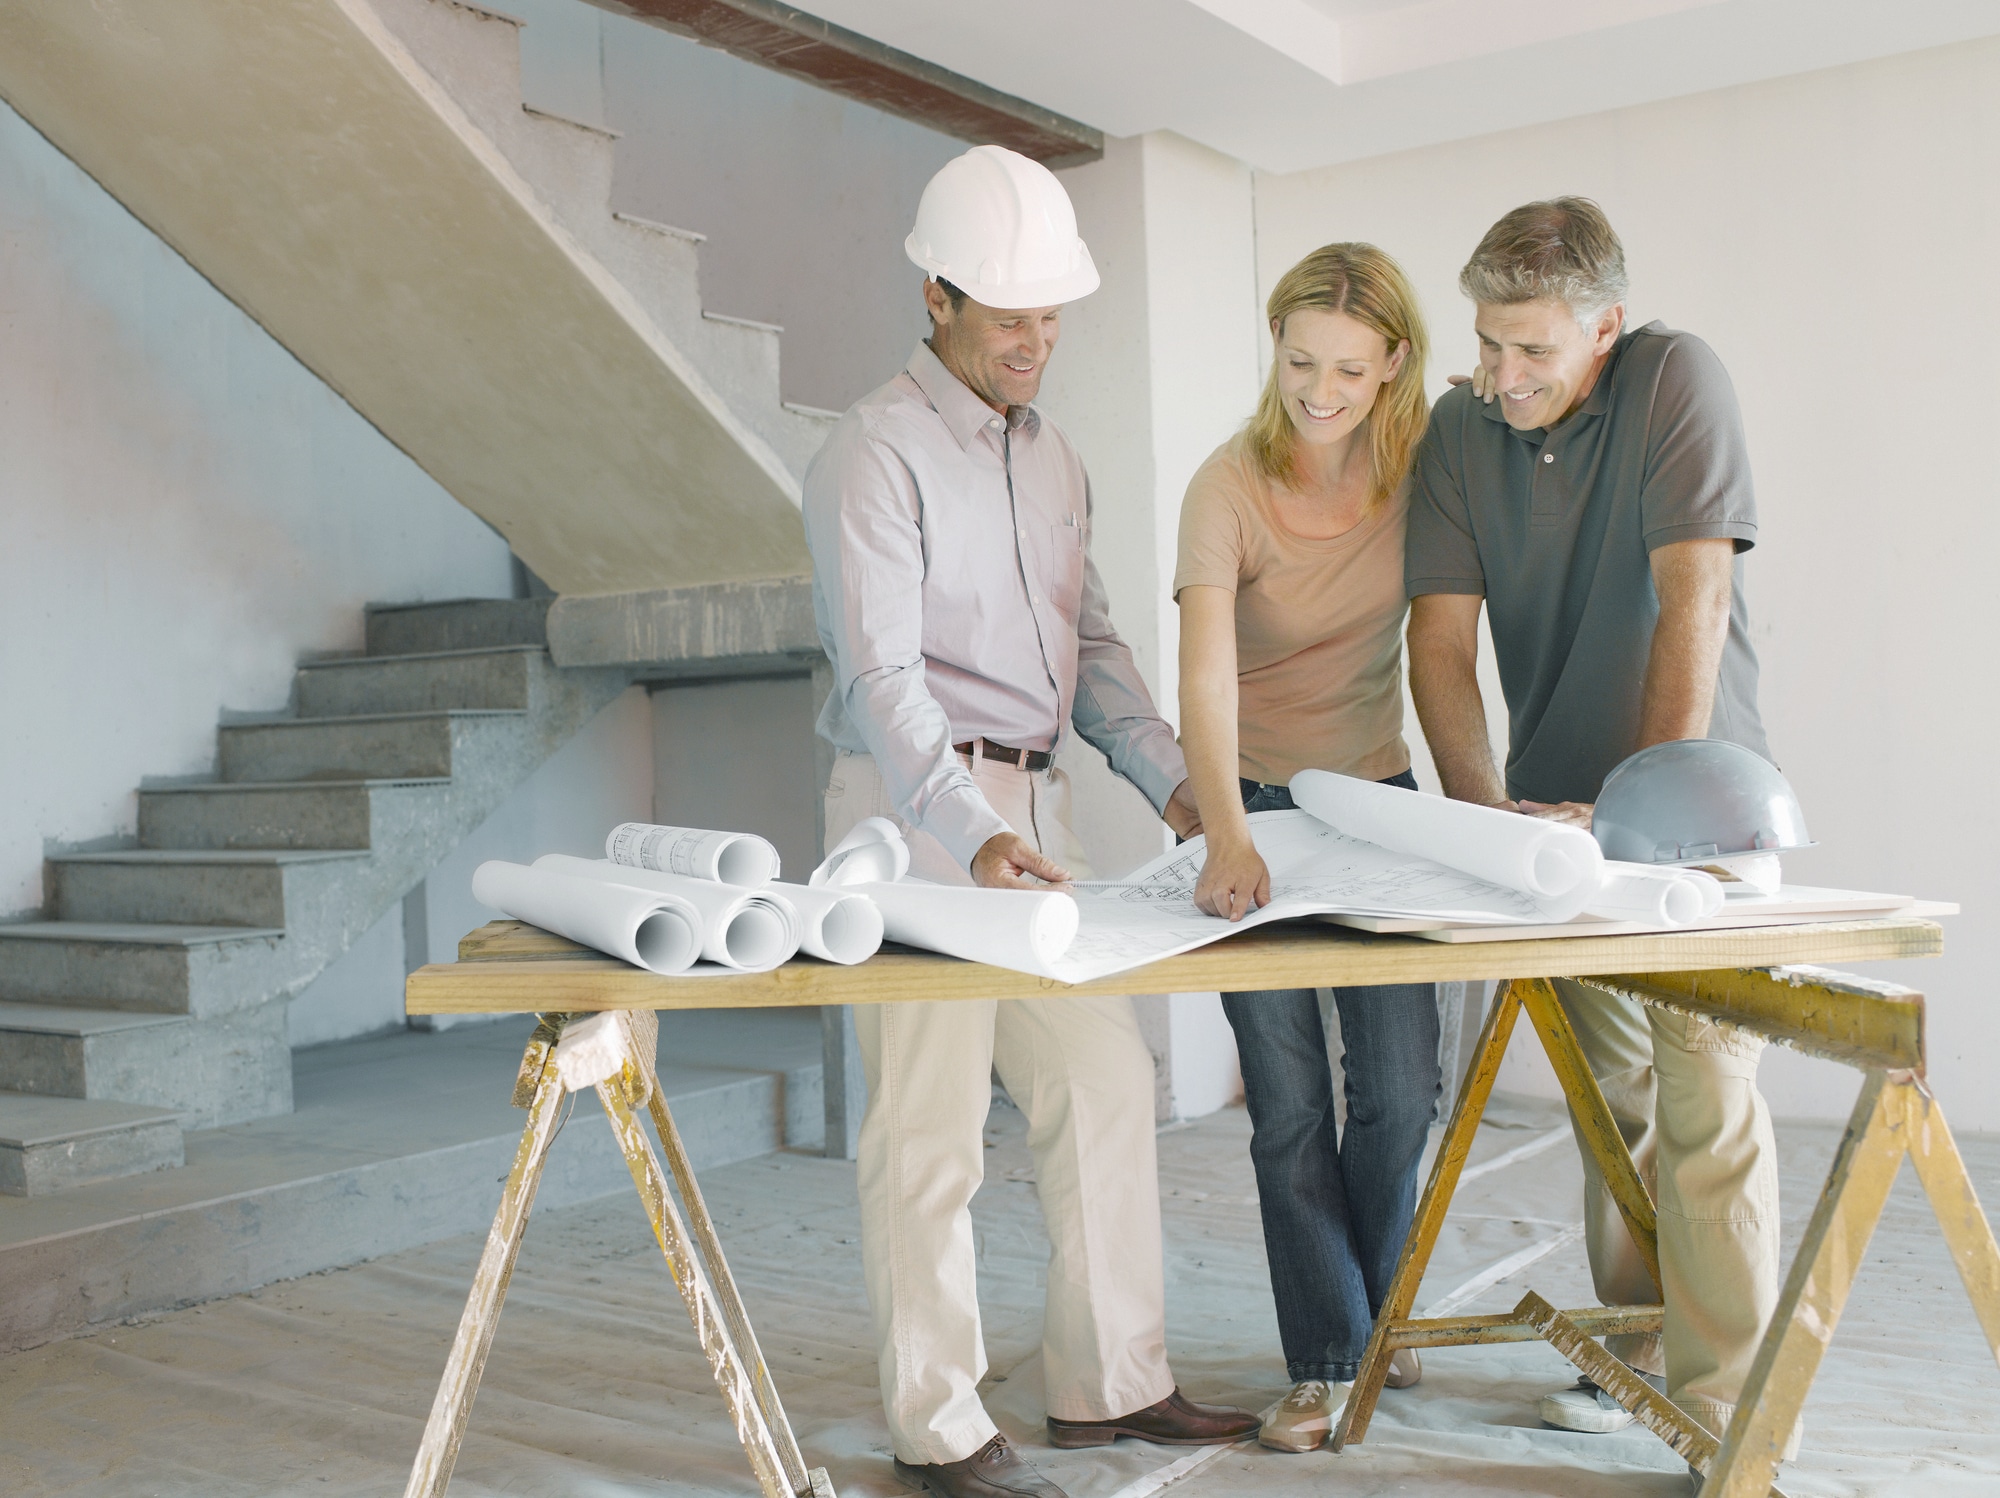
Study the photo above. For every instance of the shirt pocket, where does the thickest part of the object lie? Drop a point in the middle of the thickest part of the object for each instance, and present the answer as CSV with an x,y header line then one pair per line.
x,y
1065,569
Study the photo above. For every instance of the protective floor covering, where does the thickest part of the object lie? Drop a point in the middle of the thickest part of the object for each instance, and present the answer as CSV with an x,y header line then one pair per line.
x,y
321,1385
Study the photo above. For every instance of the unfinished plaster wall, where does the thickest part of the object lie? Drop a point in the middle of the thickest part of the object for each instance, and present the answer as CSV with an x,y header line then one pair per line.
x,y
1833,236
739,754
185,512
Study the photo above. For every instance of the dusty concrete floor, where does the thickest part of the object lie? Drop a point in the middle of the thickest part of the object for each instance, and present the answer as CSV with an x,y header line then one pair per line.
x,y
321,1385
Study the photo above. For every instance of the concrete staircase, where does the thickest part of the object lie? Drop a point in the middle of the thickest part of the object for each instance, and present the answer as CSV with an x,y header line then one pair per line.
x,y
362,178
153,998
475,54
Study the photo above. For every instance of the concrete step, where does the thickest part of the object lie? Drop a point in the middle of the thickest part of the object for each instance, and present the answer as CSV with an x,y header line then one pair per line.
x,y
55,1051
151,969
437,681
398,1140
50,1144
173,886
461,624
209,1072
369,746
307,815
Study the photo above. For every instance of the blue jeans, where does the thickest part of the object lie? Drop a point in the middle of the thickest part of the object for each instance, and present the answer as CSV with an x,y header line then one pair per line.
x,y
1336,1206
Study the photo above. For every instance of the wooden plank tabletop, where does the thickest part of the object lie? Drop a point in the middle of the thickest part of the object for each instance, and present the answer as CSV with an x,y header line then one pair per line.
x,y
510,967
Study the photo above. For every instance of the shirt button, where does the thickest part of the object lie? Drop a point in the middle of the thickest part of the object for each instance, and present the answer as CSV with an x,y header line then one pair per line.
x,y
1548,457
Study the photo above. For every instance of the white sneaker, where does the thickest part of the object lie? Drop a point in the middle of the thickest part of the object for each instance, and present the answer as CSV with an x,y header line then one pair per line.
x,y
1303,1419
1585,1408
1405,1369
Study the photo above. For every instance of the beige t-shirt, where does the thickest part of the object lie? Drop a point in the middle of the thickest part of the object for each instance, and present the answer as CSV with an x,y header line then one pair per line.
x,y
1319,625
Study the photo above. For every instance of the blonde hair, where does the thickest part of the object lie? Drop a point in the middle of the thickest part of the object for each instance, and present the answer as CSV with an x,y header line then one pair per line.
x,y
1361,282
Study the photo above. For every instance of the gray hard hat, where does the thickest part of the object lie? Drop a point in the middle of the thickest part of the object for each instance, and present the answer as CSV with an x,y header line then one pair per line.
x,y
1693,800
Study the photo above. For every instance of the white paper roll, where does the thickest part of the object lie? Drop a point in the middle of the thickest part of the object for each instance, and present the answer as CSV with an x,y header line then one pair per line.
x,y
836,925
1556,865
1664,896
1021,929
739,858
872,852
650,929
740,928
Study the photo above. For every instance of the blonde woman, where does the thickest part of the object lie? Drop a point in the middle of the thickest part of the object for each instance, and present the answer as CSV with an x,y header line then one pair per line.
x,y
1290,586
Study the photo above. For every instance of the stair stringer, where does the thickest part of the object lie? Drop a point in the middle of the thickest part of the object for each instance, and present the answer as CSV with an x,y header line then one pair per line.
x,y
474,55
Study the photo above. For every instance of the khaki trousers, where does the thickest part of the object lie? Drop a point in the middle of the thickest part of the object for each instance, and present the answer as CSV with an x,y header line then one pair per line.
x,y
1684,1095
1080,1072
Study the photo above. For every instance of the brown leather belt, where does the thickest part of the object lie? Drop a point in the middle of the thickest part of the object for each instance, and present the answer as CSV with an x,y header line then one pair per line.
x,y
1006,754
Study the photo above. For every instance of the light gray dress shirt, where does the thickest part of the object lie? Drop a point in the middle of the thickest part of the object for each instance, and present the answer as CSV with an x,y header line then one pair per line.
x,y
956,599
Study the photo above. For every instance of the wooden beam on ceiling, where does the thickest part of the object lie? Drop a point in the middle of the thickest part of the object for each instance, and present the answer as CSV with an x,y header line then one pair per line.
x,y
789,40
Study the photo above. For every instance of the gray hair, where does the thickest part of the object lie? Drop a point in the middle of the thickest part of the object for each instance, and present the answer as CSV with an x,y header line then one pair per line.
x,y
1563,249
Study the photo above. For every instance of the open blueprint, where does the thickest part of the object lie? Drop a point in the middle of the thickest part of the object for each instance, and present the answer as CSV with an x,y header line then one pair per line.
x,y
1355,851
1315,870
1354,848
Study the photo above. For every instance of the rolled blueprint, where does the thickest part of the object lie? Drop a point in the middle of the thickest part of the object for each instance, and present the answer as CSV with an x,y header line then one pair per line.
x,y
740,858
1662,896
750,930
1022,929
836,925
1559,867
873,852
648,928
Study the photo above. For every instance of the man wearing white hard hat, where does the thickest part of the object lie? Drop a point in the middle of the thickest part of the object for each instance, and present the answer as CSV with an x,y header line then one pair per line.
x,y
949,523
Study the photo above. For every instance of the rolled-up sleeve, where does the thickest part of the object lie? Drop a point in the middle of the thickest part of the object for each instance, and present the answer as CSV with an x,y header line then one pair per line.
x,y
1113,710
864,527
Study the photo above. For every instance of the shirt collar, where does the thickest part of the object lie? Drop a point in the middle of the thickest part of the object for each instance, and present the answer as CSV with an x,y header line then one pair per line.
x,y
965,414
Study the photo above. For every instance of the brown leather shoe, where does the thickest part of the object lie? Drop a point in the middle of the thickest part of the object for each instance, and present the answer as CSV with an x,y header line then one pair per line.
x,y
1174,1421
993,1471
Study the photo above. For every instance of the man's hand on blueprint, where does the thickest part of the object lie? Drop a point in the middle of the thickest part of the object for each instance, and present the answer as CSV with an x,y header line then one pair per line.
x,y
1006,861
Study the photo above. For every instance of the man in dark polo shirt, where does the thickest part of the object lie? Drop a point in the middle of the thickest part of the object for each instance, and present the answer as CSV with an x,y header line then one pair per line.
x,y
1591,486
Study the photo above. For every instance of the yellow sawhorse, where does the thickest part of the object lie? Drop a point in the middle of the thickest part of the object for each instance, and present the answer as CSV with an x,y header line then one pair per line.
x,y
507,967
625,1083
1874,1026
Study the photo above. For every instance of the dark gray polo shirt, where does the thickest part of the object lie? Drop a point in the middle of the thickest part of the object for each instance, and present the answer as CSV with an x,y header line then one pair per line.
x,y
1555,529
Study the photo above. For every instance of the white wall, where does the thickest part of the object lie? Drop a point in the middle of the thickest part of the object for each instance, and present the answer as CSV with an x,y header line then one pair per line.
x,y
1154,370
739,754
185,511
1833,236
805,196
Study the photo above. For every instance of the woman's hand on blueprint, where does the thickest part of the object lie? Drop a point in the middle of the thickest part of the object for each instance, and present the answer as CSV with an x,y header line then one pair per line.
x,y
1233,880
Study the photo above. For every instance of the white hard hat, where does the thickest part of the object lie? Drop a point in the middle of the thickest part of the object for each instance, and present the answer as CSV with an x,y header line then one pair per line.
x,y
1000,228
1691,801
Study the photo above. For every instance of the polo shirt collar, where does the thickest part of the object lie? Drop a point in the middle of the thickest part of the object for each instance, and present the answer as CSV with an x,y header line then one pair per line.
x,y
965,414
